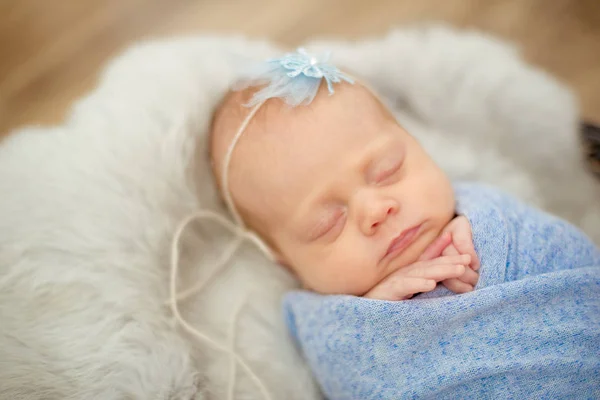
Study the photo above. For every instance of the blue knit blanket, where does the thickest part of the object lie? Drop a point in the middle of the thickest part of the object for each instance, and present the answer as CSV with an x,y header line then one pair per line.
x,y
531,329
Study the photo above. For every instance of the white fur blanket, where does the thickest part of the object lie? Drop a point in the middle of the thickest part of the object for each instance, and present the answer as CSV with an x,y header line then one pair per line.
x,y
88,209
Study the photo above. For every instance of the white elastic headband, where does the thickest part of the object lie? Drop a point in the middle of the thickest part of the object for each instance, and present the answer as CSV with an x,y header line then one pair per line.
x,y
227,160
296,78
225,185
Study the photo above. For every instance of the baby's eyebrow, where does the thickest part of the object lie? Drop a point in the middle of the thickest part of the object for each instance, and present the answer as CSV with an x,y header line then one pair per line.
x,y
371,158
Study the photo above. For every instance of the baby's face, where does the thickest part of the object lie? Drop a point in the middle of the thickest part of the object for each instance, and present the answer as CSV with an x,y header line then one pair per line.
x,y
343,194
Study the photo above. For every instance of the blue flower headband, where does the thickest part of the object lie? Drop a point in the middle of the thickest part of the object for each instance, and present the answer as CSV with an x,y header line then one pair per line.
x,y
295,78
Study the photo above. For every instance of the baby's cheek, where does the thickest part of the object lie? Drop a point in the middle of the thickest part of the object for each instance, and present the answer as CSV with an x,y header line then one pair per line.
x,y
338,269
349,276
308,270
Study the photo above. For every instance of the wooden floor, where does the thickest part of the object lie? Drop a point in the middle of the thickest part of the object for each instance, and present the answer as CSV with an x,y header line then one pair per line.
x,y
51,50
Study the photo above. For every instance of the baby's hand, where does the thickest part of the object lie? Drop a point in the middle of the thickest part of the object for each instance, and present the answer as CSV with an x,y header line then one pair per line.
x,y
419,277
456,239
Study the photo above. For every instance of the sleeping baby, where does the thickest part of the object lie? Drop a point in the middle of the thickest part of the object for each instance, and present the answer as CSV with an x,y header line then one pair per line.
x,y
345,197
313,163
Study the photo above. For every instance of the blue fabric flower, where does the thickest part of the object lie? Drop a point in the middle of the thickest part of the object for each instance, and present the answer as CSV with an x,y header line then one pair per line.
x,y
295,78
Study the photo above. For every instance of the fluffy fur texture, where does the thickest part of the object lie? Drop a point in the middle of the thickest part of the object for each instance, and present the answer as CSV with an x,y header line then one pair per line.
x,y
88,208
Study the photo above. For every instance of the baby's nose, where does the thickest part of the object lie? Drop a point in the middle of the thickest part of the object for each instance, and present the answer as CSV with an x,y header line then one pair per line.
x,y
377,214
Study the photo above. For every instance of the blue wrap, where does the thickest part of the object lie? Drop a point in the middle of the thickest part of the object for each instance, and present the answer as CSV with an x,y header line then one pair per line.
x,y
530,330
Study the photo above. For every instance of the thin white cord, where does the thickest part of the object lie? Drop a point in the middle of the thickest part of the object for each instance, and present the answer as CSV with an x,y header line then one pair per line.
x,y
227,161
242,234
222,265
173,293
229,251
232,337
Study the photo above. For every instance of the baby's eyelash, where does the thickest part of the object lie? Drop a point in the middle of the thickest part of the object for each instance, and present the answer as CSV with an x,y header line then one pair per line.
x,y
388,172
326,225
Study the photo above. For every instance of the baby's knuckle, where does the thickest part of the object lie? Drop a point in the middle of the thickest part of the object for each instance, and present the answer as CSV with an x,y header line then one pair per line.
x,y
462,243
398,281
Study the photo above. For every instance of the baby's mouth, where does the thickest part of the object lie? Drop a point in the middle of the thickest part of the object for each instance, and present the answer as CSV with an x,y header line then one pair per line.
x,y
402,241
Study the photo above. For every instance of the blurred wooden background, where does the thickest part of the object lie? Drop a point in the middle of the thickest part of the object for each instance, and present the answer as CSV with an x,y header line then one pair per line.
x,y
51,50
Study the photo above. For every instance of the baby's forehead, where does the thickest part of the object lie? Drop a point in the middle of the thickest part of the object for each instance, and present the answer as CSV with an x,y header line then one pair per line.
x,y
283,148
277,128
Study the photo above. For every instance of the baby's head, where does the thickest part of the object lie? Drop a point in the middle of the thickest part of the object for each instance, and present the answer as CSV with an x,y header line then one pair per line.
x,y
329,186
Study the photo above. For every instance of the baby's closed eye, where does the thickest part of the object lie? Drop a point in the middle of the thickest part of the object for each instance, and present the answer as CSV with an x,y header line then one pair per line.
x,y
385,171
329,224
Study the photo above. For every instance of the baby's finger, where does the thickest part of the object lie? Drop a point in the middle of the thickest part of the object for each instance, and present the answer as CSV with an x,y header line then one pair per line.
x,y
464,245
437,272
436,248
464,259
450,250
471,277
400,289
457,286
